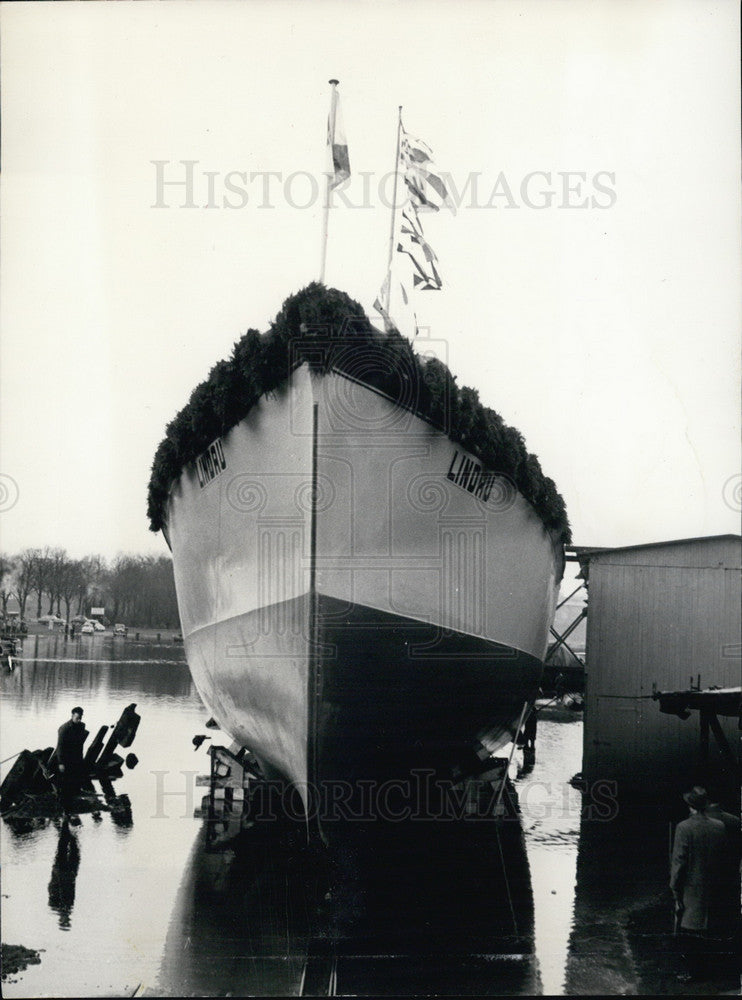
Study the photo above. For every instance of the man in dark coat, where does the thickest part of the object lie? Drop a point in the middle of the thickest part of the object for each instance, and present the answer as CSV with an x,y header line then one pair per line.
x,y
697,865
71,736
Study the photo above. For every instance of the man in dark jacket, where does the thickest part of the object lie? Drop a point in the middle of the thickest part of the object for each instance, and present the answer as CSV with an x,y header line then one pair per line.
x,y
71,736
697,864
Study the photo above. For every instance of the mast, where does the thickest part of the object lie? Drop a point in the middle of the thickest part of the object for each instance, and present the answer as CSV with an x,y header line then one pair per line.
x,y
330,177
394,212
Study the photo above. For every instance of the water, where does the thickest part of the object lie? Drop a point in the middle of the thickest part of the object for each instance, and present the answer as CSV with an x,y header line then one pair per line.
x,y
550,816
112,906
100,918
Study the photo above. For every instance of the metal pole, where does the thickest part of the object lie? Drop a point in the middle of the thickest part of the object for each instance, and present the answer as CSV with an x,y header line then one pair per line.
x,y
330,143
561,641
510,758
394,211
570,596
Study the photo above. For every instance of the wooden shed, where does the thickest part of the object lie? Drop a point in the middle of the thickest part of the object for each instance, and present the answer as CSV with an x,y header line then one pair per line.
x,y
666,616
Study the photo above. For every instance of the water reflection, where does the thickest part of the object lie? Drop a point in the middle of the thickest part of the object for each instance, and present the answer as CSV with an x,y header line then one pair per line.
x,y
64,875
53,875
119,806
622,938
240,924
434,908
98,649
418,908
551,810
53,665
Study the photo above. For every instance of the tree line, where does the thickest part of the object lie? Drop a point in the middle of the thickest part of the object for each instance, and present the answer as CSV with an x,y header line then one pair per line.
x,y
135,589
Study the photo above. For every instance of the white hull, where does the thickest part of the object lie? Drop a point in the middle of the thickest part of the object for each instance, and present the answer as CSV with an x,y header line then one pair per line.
x,y
334,543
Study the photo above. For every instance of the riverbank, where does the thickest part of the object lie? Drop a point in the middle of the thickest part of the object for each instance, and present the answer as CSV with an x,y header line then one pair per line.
x,y
134,634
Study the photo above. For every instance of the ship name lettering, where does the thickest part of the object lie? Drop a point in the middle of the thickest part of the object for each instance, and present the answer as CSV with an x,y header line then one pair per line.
x,y
211,463
470,476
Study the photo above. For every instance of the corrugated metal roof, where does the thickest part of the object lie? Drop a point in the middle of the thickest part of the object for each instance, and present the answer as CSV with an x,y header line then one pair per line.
x,y
583,552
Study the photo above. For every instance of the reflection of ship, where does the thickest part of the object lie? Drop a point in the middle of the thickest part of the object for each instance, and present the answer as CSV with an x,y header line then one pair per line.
x,y
415,909
366,559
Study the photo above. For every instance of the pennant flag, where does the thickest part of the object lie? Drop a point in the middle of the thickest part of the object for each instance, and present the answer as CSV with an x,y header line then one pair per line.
x,y
399,304
412,242
337,144
427,189
411,231
379,305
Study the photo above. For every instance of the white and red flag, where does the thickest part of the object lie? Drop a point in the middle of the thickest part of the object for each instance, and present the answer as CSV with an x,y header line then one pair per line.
x,y
337,144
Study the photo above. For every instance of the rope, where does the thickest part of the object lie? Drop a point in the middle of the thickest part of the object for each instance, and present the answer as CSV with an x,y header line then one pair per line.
x,y
11,758
507,883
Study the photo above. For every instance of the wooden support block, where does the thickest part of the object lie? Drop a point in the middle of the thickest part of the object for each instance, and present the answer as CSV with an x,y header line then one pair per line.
x,y
704,720
123,732
721,740
95,747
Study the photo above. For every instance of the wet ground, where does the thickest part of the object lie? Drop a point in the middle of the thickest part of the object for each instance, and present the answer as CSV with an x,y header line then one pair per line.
x,y
267,918
623,939
569,899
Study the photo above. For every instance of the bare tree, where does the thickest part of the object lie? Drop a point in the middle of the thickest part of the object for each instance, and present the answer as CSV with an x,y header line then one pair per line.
x,y
96,574
57,567
125,585
7,565
24,578
136,589
41,568
71,582
142,590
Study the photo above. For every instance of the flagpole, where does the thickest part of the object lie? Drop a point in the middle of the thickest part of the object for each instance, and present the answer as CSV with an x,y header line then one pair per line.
x,y
330,142
394,210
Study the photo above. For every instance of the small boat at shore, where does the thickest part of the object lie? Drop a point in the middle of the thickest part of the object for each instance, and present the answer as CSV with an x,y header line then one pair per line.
x,y
565,708
366,559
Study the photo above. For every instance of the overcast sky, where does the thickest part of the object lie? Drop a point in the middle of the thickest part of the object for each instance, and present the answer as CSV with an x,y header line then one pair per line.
x,y
609,334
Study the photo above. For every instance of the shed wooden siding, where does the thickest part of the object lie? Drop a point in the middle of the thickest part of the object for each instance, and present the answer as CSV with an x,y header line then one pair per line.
x,y
658,615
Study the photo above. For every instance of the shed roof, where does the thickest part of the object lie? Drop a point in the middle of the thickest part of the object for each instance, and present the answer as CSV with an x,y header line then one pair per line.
x,y
580,552
585,554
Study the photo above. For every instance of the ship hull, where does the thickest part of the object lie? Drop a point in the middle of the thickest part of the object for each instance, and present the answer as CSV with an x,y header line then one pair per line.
x,y
359,598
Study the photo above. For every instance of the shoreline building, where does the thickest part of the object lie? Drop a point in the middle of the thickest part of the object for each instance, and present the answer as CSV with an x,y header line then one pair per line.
x,y
664,618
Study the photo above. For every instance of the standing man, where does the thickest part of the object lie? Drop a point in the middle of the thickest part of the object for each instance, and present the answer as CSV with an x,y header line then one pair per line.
x,y
697,864
71,736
